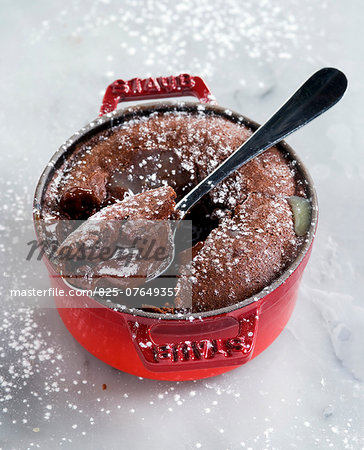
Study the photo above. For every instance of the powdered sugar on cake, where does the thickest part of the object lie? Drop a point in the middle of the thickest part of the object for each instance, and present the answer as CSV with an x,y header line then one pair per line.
x,y
252,239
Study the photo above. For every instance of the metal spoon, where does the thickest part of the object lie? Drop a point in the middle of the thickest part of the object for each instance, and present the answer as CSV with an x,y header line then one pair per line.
x,y
318,94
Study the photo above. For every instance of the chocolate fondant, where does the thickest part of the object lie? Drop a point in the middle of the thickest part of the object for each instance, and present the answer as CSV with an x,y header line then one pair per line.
x,y
244,229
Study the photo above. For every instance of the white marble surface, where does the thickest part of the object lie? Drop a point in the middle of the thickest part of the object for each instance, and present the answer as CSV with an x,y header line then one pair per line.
x,y
307,390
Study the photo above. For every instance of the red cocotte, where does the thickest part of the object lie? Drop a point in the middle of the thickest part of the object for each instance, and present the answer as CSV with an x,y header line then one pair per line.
x,y
172,347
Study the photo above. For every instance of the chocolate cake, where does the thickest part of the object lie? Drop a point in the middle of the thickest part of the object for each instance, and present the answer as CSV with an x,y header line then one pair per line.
x,y
244,235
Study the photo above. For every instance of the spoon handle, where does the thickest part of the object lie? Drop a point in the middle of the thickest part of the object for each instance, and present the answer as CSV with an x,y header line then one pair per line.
x,y
319,93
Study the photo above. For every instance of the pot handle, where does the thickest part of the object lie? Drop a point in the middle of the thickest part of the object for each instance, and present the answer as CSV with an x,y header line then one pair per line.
x,y
218,341
151,88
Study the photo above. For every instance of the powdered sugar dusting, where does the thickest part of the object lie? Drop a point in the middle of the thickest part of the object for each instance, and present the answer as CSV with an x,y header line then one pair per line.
x,y
179,148
59,59
256,30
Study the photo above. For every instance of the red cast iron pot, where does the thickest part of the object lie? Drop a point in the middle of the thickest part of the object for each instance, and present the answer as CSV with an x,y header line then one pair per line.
x,y
171,347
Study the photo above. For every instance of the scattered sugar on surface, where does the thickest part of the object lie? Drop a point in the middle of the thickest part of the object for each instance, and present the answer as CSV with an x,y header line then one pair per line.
x,y
256,30
50,383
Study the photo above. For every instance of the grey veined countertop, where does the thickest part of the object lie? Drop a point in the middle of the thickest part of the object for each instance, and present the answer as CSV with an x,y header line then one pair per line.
x,y
307,390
